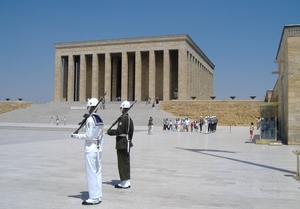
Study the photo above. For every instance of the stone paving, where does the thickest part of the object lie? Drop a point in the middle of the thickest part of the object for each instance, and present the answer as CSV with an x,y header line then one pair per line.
x,y
42,167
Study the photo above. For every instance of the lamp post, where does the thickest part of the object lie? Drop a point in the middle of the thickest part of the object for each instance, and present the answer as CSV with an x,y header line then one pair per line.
x,y
212,97
297,152
230,118
252,97
232,97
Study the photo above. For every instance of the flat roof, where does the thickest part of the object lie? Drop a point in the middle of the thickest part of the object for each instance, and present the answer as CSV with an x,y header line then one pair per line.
x,y
146,39
285,27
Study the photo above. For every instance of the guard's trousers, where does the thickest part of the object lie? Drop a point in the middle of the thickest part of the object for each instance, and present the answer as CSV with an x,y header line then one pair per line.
x,y
93,174
123,164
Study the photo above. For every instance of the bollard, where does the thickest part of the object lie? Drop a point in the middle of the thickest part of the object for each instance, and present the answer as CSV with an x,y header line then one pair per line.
x,y
297,152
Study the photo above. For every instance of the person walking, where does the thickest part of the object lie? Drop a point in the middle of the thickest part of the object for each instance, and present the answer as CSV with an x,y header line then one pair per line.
x,y
251,131
57,120
93,148
209,125
187,124
200,123
150,126
206,125
124,134
178,124
171,125
196,125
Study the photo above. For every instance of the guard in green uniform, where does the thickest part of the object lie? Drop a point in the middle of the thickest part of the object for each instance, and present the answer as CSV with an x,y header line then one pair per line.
x,y
124,134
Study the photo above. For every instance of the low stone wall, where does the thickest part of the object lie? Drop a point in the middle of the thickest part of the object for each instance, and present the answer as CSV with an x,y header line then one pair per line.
x,y
11,106
228,112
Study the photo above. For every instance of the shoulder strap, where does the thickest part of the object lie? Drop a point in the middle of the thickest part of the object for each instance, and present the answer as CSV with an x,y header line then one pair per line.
x,y
128,125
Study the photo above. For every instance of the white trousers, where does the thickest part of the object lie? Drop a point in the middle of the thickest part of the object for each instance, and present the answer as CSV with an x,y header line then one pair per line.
x,y
206,128
93,174
151,129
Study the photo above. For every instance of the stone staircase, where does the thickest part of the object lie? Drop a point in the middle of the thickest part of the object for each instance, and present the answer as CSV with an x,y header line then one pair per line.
x,y
74,111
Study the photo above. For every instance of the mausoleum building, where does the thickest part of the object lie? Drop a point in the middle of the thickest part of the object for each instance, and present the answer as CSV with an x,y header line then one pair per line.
x,y
168,67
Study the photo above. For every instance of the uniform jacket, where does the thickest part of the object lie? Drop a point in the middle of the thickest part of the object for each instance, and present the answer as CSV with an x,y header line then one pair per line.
x,y
122,132
93,134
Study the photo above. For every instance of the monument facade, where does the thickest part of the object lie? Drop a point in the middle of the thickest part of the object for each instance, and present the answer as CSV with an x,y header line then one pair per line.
x,y
168,67
287,88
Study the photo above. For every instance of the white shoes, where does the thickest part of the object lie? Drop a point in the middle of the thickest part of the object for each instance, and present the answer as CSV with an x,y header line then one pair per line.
x,y
123,185
91,201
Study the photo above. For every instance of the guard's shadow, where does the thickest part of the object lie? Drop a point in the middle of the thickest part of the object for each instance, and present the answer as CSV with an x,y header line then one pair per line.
x,y
112,182
83,195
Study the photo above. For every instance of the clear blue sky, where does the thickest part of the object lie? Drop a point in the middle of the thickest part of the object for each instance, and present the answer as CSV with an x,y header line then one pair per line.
x,y
240,37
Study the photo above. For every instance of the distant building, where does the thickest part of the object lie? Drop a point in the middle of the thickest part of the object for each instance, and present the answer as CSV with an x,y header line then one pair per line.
x,y
168,67
287,88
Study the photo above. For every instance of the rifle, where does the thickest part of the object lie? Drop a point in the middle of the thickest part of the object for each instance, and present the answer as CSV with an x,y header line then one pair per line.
x,y
122,115
86,115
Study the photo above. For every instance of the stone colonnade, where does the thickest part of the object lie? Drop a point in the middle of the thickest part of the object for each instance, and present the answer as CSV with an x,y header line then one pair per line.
x,y
132,69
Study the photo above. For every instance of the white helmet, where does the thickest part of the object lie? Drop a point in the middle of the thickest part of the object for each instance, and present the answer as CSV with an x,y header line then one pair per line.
x,y
91,102
125,104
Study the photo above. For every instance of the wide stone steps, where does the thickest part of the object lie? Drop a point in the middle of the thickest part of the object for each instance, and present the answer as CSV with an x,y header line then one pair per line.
x,y
74,111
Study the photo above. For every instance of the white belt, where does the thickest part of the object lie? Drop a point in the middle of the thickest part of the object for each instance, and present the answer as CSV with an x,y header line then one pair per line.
x,y
91,141
122,135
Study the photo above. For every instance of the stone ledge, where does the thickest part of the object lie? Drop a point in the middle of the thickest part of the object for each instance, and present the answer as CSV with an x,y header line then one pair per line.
x,y
78,108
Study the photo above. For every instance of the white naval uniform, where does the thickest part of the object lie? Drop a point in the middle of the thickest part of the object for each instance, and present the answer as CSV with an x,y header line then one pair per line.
x,y
206,126
94,132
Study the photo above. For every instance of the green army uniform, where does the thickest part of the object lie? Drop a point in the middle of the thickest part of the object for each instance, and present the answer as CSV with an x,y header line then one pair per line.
x,y
124,134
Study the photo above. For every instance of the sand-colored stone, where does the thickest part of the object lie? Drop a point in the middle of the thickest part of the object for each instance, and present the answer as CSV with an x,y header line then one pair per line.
x,y
228,112
287,89
133,69
11,106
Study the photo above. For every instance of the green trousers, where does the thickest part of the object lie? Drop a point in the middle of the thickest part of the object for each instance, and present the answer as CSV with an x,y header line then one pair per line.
x,y
123,164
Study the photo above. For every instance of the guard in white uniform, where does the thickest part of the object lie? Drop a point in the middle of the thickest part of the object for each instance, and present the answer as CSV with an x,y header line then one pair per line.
x,y
206,124
94,139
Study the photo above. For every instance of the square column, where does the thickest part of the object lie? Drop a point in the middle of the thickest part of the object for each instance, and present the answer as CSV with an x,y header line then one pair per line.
x,y
95,76
198,79
166,77
138,76
182,74
124,82
82,80
152,74
193,80
107,85
70,96
58,79
189,73
115,92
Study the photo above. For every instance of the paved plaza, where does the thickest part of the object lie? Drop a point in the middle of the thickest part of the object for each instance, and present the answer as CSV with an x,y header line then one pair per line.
x,y
42,167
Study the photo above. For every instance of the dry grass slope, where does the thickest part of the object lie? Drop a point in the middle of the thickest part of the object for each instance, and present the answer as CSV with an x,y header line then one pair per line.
x,y
11,106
